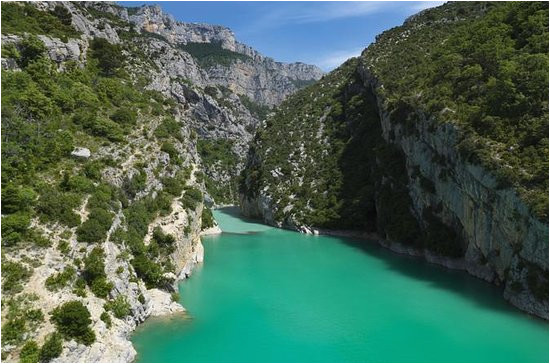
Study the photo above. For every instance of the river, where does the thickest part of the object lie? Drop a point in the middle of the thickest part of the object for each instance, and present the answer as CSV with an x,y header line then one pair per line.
x,y
272,295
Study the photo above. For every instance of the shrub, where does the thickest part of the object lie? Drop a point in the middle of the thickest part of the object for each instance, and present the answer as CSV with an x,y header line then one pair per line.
x,y
13,275
212,53
32,48
169,127
30,353
94,265
56,206
101,287
76,183
169,148
161,238
92,170
72,319
107,319
207,220
59,280
20,18
14,227
16,198
38,239
13,331
132,186
119,306
109,56
52,348
108,129
95,228
63,247
173,186
149,271
124,116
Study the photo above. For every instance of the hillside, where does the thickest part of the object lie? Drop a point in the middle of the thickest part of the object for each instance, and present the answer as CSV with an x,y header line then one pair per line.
x,y
434,139
114,140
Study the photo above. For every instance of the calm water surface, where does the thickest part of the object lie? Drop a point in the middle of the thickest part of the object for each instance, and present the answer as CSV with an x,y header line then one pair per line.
x,y
270,295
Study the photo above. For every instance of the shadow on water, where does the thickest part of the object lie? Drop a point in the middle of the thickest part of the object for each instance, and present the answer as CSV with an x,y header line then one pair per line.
x,y
472,288
235,211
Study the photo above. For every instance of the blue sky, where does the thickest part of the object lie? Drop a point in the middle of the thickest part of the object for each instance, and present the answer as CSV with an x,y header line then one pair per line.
x,y
320,33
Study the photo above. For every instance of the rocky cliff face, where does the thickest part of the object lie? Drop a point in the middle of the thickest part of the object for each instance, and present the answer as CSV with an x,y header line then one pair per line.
x,y
354,161
260,78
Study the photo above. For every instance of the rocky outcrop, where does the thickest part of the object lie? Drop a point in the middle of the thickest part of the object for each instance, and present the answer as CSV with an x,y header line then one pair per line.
x,y
260,78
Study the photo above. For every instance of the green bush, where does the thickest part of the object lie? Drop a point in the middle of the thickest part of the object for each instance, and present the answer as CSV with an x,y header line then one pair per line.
x,y
207,220
125,116
57,206
132,186
257,110
21,18
211,54
109,56
163,239
169,127
94,265
30,353
14,274
72,319
59,280
14,227
171,150
173,186
95,228
149,271
101,287
16,198
119,306
52,348
105,317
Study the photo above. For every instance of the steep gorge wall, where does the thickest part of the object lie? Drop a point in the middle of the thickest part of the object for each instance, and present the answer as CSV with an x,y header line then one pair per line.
x,y
505,243
473,223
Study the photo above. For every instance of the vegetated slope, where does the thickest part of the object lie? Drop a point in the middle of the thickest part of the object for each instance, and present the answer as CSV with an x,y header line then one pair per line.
x,y
436,138
107,131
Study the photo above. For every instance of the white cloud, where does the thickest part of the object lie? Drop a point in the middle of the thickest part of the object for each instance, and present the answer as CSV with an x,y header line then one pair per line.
x,y
334,59
318,11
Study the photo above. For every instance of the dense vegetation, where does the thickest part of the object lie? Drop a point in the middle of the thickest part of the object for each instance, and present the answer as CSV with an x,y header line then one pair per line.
x,y
488,74
21,18
211,54
218,156
482,66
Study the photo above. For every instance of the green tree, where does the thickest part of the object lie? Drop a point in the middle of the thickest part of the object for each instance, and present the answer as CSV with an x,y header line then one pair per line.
x,y
30,353
109,56
32,49
72,319
52,348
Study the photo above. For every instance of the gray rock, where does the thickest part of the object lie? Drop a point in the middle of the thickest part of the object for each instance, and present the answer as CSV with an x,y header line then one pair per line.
x,y
81,153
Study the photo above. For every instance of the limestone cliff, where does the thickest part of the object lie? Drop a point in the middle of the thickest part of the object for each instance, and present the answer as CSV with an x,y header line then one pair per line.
x,y
260,78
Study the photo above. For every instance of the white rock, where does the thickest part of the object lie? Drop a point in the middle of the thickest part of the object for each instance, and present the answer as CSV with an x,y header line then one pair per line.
x,y
81,152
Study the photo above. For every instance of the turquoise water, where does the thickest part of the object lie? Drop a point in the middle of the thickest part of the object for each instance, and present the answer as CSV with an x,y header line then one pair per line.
x,y
270,295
